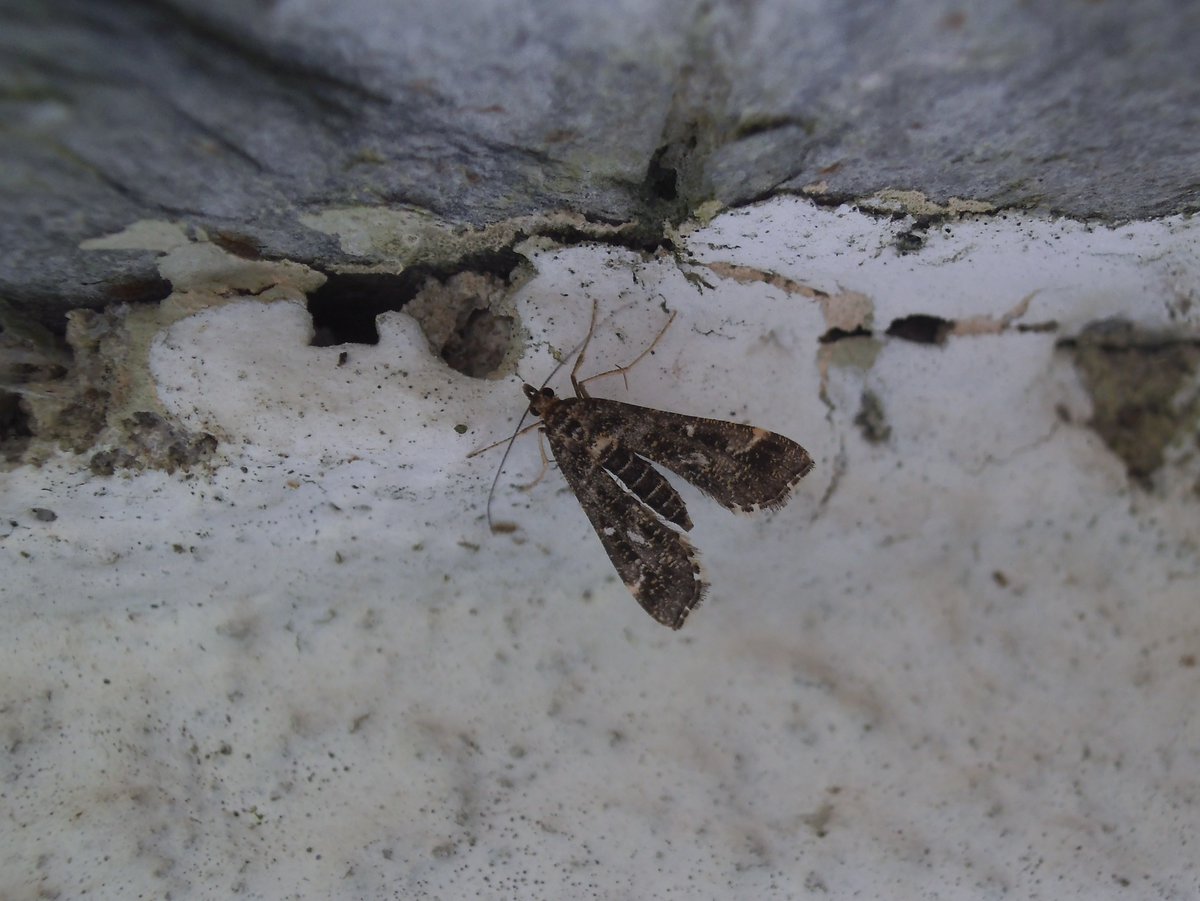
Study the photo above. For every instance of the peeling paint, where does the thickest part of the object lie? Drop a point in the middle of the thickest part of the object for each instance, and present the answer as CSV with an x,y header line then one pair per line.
x,y
916,203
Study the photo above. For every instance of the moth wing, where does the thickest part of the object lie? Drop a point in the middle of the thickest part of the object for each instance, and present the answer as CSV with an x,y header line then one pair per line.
x,y
658,565
741,467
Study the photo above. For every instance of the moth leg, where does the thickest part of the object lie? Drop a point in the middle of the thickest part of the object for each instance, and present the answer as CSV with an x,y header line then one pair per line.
x,y
545,462
575,383
480,450
580,391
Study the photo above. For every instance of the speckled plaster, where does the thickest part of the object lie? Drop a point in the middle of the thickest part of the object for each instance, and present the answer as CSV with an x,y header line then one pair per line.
x,y
962,663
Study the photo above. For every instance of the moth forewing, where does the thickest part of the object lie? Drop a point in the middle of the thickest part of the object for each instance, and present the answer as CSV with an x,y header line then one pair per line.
x,y
658,564
741,467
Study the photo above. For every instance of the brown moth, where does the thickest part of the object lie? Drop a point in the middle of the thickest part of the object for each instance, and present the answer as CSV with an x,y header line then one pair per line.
x,y
604,449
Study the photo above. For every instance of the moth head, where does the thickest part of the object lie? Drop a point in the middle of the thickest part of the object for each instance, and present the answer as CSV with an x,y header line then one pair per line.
x,y
539,398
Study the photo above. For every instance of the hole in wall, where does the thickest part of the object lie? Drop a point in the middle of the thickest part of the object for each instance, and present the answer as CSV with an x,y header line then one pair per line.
x,y
478,347
33,361
662,180
840,334
921,328
910,241
14,427
455,307
343,309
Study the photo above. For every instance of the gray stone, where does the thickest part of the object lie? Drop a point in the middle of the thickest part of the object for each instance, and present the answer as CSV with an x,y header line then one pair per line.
x,y
242,118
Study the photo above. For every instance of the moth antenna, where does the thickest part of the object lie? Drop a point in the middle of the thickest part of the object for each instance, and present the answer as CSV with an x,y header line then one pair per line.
x,y
553,372
513,438
500,469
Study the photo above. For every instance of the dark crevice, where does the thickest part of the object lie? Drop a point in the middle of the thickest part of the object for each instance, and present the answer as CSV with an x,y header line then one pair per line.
x,y
828,199
237,243
662,178
921,328
150,289
762,125
910,241
344,308
640,236
674,179
14,427
1050,325
454,305
477,347
840,334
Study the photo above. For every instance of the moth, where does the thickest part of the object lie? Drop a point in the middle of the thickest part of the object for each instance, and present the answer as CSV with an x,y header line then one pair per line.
x,y
604,449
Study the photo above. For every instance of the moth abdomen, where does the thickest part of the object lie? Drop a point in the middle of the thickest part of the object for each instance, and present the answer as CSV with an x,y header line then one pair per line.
x,y
647,484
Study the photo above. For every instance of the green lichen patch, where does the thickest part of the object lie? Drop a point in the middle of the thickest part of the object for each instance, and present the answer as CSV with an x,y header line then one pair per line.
x,y
1144,390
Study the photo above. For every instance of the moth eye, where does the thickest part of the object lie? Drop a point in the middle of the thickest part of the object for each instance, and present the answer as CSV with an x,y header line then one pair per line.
x,y
547,392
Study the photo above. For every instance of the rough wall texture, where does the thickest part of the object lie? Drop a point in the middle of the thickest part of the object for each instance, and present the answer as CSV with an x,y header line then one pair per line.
x,y
243,118
256,637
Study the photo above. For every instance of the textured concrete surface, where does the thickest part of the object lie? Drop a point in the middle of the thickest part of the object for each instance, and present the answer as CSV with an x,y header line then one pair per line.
x,y
255,637
961,664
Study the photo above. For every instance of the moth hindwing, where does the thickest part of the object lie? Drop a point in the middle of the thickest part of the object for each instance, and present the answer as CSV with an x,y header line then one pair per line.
x,y
602,447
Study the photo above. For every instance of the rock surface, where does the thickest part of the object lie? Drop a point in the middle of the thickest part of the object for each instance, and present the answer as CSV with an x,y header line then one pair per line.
x,y
247,120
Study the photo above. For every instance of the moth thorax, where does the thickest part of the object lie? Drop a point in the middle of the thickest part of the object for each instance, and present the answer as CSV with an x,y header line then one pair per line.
x,y
574,430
